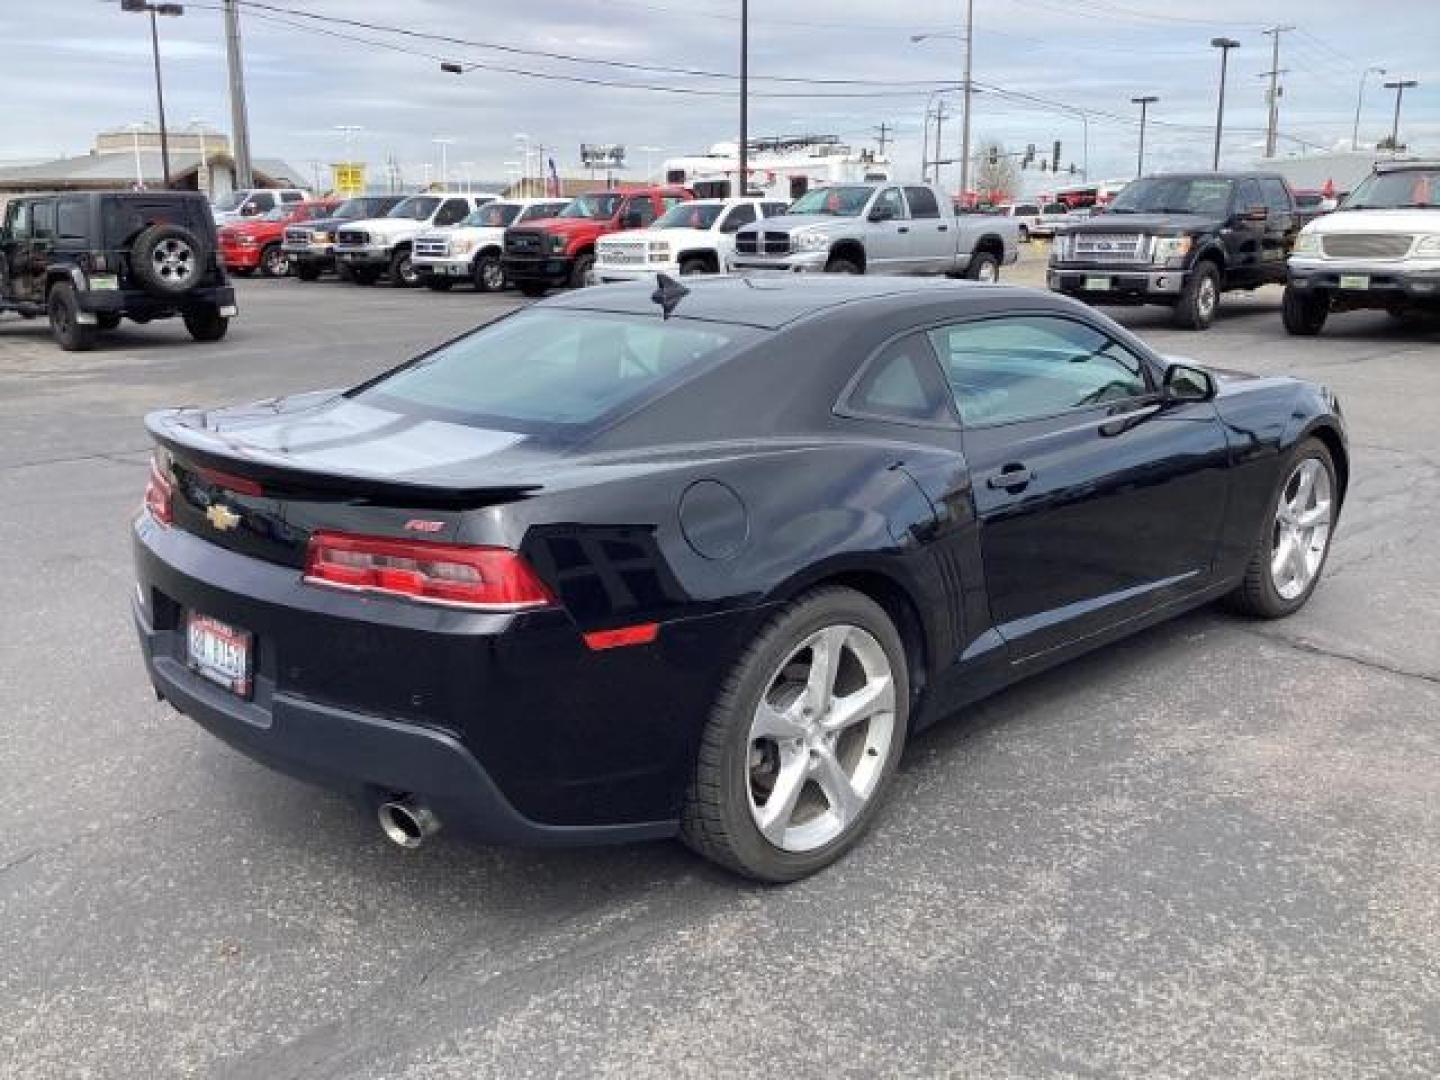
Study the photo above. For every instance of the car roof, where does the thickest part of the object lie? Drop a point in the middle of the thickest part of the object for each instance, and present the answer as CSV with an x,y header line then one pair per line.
x,y
772,301
1404,166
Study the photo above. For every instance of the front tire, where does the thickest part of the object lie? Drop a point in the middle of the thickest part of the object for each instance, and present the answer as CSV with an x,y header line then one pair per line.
x,y
802,741
402,270
1304,313
489,275
274,262
1024,235
582,273
842,265
1294,539
1200,298
65,326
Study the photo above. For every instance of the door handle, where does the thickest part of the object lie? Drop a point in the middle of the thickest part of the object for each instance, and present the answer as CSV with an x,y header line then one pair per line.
x,y
903,228
1010,478
943,228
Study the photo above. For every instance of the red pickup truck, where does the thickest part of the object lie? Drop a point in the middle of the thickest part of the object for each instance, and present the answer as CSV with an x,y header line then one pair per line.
x,y
255,243
561,250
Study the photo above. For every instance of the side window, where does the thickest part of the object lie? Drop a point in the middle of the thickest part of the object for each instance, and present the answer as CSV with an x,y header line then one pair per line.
x,y
261,202
451,211
1247,194
44,221
73,219
1024,367
642,209
902,382
667,201
922,202
1276,197
1026,210
541,210
291,196
738,217
774,209
890,199
20,221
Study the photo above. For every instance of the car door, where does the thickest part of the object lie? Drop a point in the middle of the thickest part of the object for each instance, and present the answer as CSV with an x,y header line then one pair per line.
x,y
1244,237
1280,228
15,247
932,244
888,245
736,218
1098,500
42,242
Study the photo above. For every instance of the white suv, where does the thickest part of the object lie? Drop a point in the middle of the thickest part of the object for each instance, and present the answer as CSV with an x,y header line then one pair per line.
x,y
382,245
470,251
1379,251
695,237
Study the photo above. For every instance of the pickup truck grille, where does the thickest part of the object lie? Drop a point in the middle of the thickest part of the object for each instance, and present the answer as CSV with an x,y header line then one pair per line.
x,y
623,253
1366,245
762,243
432,247
298,237
352,238
523,243
1109,247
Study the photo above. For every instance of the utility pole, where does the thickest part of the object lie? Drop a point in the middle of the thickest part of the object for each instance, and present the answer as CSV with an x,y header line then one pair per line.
x,y
740,179
1224,44
1359,101
1275,72
940,116
239,120
965,122
883,133
1399,86
1144,103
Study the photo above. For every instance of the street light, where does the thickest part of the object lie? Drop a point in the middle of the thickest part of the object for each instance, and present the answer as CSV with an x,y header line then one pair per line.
x,y
135,130
1144,103
1399,86
969,39
444,145
140,6
742,177
1359,100
1224,44
202,175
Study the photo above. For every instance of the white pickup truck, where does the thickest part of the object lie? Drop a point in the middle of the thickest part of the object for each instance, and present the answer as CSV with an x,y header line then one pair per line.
x,y
696,237
878,229
383,245
470,251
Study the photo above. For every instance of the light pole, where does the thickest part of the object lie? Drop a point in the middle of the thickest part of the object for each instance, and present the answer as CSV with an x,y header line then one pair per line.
x,y
135,130
1224,44
742,176
967,91
444,145
239,117
1360,100
467,169
155,10
524,140
1399,86
1144,103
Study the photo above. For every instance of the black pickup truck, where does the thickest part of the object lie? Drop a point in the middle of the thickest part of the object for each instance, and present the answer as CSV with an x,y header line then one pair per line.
x,y
1180,240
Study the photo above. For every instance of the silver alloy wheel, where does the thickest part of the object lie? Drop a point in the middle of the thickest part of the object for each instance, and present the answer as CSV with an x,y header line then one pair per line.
x,y
820,738
492,274
1209,296
406,269
1302,529
173,260
989,271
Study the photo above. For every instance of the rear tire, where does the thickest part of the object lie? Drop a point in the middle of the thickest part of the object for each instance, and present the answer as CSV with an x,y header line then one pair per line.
x,y
984,266
1200,298
742,755
206,324
842,265
1304,313
65,326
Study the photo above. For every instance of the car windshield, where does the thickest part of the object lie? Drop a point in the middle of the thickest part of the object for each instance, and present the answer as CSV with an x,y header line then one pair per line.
x,y
553,370
416,208
1403,189
492,215
356,210
1055,208
231,201
689,216
1175,195
833,201
593,207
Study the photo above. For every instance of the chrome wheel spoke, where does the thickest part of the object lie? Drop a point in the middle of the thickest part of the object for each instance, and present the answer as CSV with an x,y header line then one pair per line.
x,y
825,650
877,695
1314,517
775,723
835,784
775,816
1297,567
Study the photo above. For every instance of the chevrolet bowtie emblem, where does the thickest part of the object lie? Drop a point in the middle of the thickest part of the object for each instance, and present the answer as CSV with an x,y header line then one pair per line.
x,y
222,517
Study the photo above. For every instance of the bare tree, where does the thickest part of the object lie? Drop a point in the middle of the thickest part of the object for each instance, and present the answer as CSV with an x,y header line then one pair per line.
x,y
996,177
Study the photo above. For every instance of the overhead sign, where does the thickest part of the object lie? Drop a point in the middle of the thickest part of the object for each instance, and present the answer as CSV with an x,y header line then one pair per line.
x,y
602,155
348,178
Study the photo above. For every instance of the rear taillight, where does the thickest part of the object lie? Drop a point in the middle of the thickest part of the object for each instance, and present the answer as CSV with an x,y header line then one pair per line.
x,y
159,491
458,575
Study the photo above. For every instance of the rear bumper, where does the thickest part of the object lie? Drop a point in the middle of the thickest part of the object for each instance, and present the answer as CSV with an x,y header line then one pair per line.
x,y
1120,284
550,269
506,725
139,302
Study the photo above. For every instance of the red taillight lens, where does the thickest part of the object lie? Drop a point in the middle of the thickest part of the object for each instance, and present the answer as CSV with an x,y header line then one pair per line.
x,y
495,579
159,490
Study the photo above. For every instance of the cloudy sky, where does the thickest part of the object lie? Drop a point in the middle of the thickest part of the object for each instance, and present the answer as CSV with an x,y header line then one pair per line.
x,y
76,66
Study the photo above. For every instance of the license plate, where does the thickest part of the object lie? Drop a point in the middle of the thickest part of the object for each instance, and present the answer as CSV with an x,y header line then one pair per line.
x,y
104,281
1354,281
219,652
1097,284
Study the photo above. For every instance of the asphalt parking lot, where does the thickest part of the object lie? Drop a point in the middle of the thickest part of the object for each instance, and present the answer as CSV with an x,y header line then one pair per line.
x,y
1213,851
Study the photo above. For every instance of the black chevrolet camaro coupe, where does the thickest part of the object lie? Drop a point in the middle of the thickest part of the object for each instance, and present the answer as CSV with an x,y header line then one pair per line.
x,y
640,562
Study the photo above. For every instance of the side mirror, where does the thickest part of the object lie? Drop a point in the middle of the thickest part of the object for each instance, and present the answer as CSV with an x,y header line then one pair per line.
x,y
882,213
1256,213
1185,382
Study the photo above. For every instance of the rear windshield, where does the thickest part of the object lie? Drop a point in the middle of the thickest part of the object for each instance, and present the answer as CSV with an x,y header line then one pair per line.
x,y
549,370
122,216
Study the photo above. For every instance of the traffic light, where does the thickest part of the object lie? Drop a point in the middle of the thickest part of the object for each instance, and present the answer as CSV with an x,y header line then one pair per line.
x,y
1029,158
1055,157
994,155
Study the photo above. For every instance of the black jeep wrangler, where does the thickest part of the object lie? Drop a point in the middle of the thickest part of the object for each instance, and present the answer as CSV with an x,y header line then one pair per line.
x,y
89,259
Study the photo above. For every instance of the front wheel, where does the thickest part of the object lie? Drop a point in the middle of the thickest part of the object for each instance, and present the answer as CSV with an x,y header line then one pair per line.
x,y
1199,299
1304,313
1024,235
1294,538
206,324
802,741
488,274
274,262
583,272
402,270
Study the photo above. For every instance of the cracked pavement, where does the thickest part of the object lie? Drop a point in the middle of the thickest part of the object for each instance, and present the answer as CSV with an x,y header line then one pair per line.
x,y
1210,851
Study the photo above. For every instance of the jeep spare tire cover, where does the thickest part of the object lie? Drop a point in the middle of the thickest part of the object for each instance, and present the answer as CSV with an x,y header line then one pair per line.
x,y
167,259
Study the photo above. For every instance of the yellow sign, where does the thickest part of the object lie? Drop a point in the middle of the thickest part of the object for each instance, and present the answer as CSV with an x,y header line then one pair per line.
x,y
348,177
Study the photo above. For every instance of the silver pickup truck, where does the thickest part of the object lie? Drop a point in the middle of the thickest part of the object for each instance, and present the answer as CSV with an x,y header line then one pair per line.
x,y
878,229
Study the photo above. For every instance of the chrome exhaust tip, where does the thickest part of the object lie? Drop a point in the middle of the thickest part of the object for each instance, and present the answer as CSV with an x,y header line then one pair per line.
x,y
407,823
